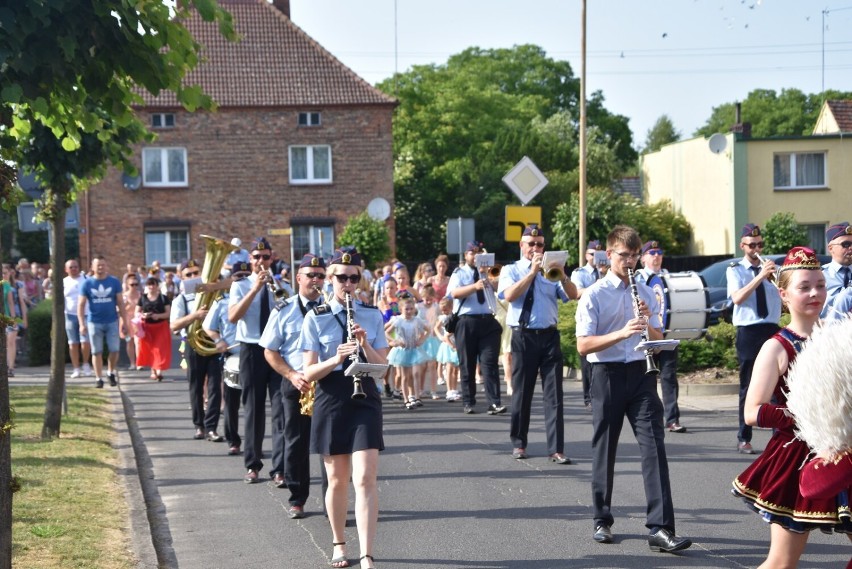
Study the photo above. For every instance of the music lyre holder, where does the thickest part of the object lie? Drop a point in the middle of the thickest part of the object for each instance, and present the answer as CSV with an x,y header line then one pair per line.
x,y
360,369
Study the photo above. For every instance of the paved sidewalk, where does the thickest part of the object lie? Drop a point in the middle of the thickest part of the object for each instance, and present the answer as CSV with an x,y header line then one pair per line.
x,y
450,495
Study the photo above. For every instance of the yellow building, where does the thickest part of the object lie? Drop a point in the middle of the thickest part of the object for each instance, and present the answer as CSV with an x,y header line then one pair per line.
x,y
726,181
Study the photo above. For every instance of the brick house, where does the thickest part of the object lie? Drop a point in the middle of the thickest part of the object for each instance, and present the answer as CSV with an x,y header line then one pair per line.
x,y
298,145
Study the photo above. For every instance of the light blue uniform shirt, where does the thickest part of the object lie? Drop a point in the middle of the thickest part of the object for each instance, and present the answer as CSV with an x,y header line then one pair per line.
x,y
217,320
182,305
833,286
283,330
463,276
585,276
606,307
248,328
322,333
745,314
842,306
544,313
238,256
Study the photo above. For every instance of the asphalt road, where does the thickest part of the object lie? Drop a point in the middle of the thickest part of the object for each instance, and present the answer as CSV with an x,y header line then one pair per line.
x,y
451,496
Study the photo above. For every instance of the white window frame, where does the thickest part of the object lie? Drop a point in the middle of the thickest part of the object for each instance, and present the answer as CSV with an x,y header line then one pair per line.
x,y
167,120
793,161
311,118
313,231
309,167
164,181
168,258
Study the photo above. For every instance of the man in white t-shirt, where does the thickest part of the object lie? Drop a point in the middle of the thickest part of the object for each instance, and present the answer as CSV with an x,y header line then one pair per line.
x,y
76,341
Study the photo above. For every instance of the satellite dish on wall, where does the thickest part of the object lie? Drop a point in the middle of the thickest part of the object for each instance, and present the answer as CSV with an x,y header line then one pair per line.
x,y
717,143
379,209
130,182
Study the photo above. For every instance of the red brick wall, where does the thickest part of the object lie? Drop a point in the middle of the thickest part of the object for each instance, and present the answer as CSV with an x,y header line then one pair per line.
x,y
239,180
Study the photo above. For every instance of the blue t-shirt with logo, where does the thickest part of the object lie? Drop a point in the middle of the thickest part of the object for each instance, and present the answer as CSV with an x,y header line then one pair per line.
x,y
102,297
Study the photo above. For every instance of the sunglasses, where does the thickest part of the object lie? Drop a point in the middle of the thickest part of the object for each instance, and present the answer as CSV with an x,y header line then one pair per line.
x,y
538,244
265,257
654,252
845,244
132,284
192,274
354,279
759,245
627,255
315,275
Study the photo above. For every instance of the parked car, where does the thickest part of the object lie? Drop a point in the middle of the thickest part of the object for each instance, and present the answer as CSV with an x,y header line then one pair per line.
x,y
717,285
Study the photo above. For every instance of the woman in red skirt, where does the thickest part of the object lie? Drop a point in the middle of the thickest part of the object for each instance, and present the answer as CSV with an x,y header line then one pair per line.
x,y
770,486
155,345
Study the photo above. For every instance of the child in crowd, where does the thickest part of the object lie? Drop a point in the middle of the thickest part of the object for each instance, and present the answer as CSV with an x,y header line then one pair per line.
x,y
406,333
448,357
428,311
388,304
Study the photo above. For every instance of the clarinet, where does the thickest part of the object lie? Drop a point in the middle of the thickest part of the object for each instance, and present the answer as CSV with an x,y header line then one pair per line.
x,y
357,390
650,366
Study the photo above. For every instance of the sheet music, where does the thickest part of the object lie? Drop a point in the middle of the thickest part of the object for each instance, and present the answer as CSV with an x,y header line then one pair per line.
x,y
558,258
665,345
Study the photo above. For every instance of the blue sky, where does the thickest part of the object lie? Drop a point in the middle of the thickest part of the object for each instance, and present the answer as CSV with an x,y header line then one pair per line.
x,y
653,57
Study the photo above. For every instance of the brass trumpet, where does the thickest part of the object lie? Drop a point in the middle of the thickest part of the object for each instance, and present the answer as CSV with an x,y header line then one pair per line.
x,y
494,272
553,273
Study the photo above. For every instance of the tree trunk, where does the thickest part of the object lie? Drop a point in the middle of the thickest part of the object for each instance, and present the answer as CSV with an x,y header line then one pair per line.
x,y
56,386
5,453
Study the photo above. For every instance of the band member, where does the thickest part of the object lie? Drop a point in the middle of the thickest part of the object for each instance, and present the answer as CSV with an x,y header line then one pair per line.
x,y
477,334
770,485
838,273
584,277
280,343
652,268
347,432
612,317
757,310
183,313
224,334
532,315
249,307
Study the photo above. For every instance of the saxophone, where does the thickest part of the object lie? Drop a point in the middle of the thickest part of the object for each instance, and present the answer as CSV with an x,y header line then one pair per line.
x,y
306,400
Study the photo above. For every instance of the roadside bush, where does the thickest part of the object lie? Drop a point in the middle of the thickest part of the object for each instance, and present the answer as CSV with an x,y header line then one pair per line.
x,y
716,349
38,334
567,327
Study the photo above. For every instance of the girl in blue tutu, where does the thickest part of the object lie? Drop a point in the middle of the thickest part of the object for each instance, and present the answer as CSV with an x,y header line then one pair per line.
x,y
428,311
406,333
448,357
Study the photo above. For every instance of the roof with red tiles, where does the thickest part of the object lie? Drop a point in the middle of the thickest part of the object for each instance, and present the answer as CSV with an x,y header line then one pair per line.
x,y
842,112
274,64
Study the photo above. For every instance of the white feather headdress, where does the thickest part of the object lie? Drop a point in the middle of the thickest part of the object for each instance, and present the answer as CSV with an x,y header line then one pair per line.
x,y
820,388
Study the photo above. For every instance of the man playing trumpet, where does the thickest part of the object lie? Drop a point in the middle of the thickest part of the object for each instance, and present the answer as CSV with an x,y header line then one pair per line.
x,y
533,315
280,342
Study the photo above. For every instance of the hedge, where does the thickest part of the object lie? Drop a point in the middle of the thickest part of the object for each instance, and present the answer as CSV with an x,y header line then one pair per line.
x,y
38,333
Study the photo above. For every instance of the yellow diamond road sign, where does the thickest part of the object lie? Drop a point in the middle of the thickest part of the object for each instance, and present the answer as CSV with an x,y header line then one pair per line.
x,y
525,180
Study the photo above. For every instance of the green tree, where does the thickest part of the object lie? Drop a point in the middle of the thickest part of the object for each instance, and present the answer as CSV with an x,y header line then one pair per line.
x,y
461,126
781,233
663,132
72,71
605,209
788,113
369,236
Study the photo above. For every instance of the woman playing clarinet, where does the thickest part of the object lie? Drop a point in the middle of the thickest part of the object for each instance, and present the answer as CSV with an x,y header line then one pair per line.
x,y
347,432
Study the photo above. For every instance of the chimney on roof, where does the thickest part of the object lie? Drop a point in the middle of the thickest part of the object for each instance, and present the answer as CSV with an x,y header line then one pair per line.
x,y
283,6
741,129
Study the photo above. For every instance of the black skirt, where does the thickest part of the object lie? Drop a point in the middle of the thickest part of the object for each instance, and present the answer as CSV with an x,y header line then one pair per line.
x,y
342,425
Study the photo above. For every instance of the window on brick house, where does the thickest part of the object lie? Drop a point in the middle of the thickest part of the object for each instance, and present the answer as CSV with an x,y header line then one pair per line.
x,y
164,167
168,246
310,164
306,239
799,170
162,120
309,119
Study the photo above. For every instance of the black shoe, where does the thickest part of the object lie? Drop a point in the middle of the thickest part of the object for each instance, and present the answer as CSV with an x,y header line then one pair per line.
x,y
199,434
388,392
99,383
559,458
602,534
469,410
296,512
496,409
519,454
667,541
112,381
214,437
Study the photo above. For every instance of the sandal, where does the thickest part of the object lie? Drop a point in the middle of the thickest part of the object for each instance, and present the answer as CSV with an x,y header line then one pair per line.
x,y
340,561
370,557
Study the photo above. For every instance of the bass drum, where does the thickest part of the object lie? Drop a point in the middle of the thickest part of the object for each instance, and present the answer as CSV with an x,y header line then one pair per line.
x,y
687,305
231,372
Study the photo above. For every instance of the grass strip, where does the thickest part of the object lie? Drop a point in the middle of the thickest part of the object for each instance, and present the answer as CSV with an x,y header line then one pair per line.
x,y
70,511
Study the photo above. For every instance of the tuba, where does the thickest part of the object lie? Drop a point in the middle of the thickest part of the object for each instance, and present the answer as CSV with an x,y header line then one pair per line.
x,y
214,258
